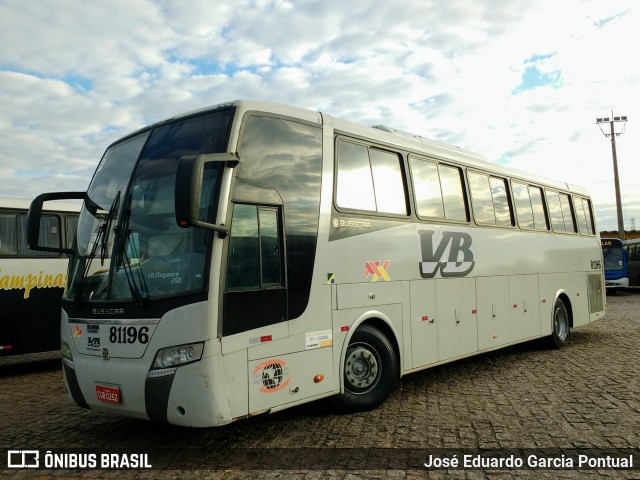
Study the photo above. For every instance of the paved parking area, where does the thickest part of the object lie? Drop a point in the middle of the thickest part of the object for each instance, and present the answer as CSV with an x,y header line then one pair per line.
x,y
521,401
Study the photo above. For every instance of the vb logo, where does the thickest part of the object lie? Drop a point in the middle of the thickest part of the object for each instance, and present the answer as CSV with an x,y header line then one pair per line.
x,y
452,255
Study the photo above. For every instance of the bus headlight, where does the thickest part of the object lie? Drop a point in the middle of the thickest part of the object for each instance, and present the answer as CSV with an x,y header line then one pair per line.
x,y
178,355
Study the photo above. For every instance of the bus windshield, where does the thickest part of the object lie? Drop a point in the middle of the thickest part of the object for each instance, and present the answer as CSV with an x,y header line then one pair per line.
x,y
129,246
613,255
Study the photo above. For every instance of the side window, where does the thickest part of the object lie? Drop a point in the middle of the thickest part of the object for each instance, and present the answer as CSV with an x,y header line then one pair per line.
x,y
72,227
490,199
355,185
529,206
254,258
8,234
270,247
451,180
583,214
369,179
524,210
562,219
537,204
481,199
388,183
50,236
555,211
426,185
439,190
567,213
274,151
500,201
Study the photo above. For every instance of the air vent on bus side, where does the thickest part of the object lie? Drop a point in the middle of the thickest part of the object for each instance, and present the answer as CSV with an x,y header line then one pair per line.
x,y
402,133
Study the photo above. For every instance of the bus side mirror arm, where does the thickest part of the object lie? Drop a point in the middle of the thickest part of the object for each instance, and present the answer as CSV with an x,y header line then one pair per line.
x,y
35,214
188,190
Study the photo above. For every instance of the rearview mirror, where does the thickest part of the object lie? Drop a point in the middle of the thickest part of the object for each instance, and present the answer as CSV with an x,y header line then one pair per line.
x,y
194,176
35,214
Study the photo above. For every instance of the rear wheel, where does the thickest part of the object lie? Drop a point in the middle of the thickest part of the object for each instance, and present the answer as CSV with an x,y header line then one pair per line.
x,y
370,371
561,325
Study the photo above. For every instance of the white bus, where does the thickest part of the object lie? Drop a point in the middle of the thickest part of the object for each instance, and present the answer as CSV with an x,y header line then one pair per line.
x,y
31,283
249,257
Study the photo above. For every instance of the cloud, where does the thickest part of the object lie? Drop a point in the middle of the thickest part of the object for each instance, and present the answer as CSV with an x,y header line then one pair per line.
x,y
517,81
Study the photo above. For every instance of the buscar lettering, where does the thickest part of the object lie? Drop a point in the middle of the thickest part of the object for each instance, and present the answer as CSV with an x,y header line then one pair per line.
x,y
108,311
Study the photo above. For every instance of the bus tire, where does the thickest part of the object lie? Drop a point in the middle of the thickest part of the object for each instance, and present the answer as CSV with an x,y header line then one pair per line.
x,y
370,371
560,324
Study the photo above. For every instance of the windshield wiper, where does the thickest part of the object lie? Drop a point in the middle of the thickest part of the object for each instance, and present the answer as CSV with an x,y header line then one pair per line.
x,y
107,226
122,234
102,236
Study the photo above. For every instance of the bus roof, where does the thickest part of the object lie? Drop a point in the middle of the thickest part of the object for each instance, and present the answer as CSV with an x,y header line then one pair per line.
x,y
385,135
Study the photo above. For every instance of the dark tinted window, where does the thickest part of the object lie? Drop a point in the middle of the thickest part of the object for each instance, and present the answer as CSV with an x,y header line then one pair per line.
x,y
243,263
13,235
287,156
254,248
8,234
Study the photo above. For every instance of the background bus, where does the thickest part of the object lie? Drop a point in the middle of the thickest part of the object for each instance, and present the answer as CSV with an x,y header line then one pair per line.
x,y
616,274
632,249
249,257
32,282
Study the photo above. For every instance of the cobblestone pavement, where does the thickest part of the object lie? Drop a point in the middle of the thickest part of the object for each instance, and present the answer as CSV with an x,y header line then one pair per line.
x,y
585,396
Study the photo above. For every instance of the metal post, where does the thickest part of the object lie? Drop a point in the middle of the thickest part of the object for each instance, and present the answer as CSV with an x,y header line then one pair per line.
x,y
616,179
617,182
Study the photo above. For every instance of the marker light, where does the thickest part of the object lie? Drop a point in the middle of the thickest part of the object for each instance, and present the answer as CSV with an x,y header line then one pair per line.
x,y
65,350
178,355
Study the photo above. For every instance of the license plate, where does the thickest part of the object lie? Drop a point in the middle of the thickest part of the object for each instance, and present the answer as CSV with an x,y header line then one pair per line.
x,y
108,394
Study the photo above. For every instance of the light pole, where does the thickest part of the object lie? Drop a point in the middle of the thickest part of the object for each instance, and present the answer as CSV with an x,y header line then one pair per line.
x,y
613,134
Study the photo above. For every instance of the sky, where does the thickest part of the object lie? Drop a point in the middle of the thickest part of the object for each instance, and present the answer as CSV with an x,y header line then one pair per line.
x,y
520,82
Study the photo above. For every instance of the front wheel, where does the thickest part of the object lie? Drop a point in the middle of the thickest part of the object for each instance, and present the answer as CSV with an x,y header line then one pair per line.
x,y
561,325
370,371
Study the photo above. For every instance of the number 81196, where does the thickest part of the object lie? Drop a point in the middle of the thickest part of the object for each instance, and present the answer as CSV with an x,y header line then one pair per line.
x,y
129,334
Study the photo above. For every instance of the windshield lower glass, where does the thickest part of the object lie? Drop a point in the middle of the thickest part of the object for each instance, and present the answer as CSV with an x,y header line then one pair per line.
x,y
128,244
613,258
